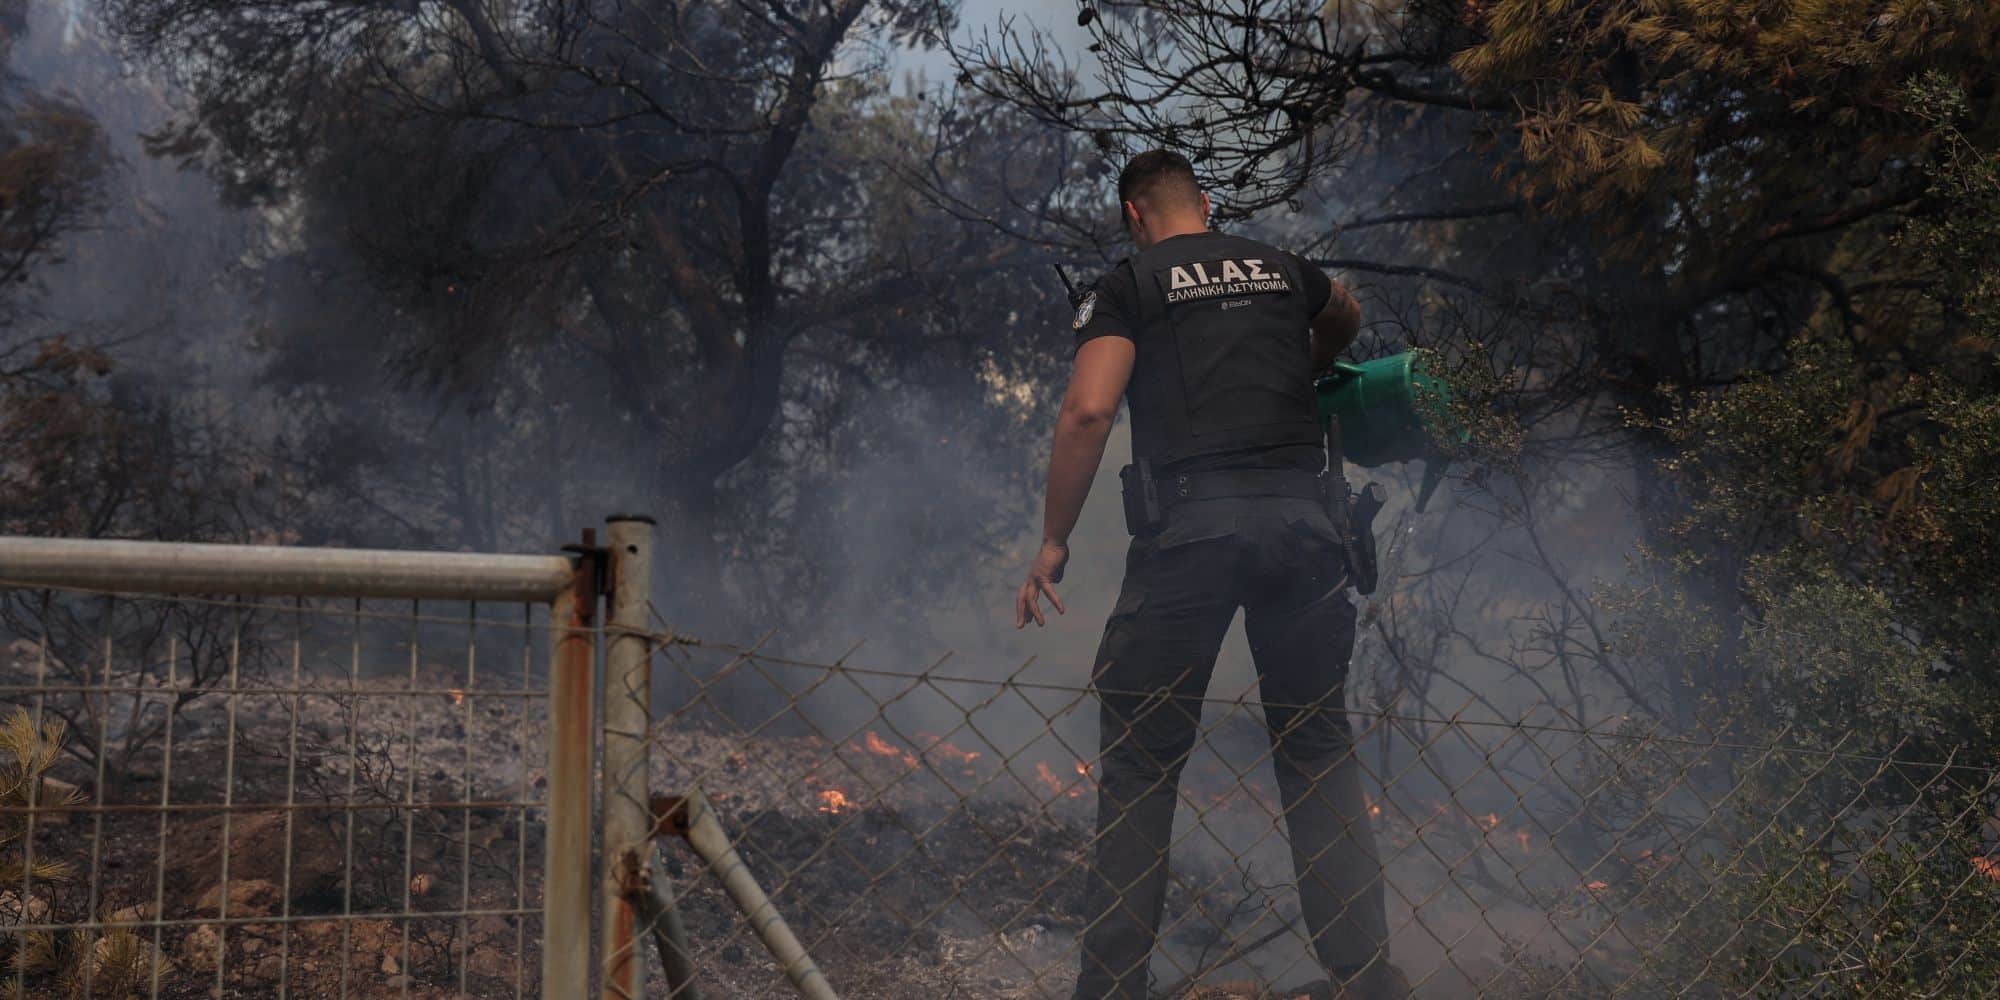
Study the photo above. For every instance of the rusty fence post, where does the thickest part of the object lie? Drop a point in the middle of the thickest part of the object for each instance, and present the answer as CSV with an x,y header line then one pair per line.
x,y
566,862
627,798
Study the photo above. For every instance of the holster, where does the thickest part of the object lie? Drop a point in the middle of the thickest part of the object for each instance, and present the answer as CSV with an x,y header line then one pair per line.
x,y
1354,515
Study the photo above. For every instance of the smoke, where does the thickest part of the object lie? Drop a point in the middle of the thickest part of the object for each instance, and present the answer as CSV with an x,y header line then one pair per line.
x,y
192,291
152,272
902,519
266,328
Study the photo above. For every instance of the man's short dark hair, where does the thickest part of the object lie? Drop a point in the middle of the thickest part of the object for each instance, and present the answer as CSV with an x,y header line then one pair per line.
x,y
1160,176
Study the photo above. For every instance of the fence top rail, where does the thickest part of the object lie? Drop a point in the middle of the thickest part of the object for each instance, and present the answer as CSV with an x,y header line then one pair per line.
x,y
202,568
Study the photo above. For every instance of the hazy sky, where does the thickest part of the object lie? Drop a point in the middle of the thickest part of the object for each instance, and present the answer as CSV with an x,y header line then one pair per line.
x,y
1057,18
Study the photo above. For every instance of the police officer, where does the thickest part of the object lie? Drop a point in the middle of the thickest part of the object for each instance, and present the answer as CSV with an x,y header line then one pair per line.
x,y
1214,339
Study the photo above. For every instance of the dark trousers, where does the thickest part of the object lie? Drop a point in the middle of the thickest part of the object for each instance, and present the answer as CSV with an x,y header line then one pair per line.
x,y
1279,560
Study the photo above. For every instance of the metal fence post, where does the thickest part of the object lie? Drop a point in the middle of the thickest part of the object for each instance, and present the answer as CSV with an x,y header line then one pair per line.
x,y
628,690
566,866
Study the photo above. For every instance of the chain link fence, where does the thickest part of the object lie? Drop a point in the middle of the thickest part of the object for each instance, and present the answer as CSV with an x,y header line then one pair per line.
x,y
400,774
928,834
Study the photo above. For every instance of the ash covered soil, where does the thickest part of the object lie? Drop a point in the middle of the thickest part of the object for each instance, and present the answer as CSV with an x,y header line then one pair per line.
x,y
252,881
911,868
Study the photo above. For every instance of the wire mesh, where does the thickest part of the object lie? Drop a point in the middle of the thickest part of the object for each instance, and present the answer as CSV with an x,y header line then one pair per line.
x,y
930,834
270,797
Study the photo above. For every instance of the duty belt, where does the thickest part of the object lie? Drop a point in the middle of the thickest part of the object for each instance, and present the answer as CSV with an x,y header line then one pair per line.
x,y
1224,483
1147,498
1147,501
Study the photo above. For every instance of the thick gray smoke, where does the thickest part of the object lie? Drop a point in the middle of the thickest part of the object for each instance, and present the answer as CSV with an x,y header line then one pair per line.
x,y
187,292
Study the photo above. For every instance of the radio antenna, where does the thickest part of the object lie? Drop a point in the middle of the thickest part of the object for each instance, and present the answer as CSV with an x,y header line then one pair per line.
x,y
1069,287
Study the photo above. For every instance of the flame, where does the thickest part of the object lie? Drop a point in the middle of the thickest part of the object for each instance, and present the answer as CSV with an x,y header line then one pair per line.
x,y
876,745
1048,778
1489,821
833,802
457,696
943,748
1521,837
1056,786
1987,866
1598,886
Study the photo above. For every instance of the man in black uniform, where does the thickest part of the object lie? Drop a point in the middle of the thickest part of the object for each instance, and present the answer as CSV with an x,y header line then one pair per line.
x,y
1214,340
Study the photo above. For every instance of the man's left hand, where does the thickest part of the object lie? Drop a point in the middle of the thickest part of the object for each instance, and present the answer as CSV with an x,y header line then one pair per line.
x,y
1042,578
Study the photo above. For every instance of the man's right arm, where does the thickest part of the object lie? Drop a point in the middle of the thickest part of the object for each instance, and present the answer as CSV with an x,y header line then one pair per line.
x,y
1334,328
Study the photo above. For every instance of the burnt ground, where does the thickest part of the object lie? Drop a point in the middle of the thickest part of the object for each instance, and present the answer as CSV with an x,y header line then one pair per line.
x,y
912,870
382,954
910,876
253,878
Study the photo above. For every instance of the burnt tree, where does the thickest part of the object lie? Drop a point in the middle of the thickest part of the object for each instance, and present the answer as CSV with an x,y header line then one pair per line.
x,y
689,223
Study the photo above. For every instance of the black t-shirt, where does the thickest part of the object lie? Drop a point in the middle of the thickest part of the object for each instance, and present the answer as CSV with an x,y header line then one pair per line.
x,y
1111,309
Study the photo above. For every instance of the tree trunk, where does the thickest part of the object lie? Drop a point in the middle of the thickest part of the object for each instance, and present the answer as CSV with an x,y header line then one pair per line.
x,y
694,595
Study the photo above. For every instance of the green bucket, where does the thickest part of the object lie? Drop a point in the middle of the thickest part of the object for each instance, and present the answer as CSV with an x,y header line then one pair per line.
x,y
1387,409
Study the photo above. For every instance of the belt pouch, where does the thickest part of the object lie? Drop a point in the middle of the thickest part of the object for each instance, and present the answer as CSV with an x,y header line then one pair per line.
x,y
1143,514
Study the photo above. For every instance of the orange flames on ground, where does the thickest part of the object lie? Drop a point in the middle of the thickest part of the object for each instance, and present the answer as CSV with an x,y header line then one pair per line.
x,y
1413,823
877,745
939,747
457,696
1490,822
832,801
1989,867
934,748
1047,776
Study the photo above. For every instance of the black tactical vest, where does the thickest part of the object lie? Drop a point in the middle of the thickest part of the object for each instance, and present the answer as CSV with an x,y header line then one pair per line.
x,y
1223,356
